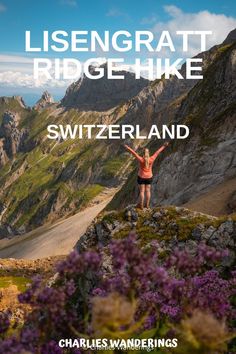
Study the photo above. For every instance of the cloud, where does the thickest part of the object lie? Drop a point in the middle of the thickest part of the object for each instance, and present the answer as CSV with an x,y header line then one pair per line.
x,y
17,71
18,79
148,20
6,58
2,7
219,24
72,3
115,12
16,63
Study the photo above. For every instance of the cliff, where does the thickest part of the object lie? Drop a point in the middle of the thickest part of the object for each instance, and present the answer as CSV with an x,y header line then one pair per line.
x,y
190,168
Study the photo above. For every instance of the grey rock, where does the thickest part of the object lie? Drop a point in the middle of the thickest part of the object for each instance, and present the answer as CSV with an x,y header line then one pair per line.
x,y
87,241
232,202
198,232
227,227
174,226
10,119
11,137
157,215
223,237
131,214
103,234
191,246
45,101
207,234
231,37
102,94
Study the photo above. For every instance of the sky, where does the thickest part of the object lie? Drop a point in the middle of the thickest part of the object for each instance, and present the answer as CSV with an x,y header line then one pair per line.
x,y
16,17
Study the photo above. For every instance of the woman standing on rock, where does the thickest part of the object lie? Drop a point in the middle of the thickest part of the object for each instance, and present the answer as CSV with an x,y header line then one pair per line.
x,y
145,173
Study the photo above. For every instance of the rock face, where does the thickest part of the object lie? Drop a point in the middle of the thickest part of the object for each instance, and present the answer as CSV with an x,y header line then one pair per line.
x,y
232,203
45,101
168,228
159,102
102,94
11,137
231,37
207,158
3,155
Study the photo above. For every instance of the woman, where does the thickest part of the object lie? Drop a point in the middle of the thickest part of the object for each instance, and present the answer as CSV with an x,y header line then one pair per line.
x,y
145,173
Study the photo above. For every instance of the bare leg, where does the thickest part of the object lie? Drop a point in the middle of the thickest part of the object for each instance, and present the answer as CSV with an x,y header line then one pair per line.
x,y
148,194
141,195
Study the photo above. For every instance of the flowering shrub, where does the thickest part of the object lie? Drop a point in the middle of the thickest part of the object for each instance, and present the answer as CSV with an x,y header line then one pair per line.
x,y
122,291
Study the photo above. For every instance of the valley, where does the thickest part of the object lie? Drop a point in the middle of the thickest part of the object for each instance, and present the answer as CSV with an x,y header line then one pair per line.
x,y
58,238
44,181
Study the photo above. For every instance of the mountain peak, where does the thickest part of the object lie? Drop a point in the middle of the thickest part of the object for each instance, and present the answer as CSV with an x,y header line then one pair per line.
x,y
45,100
102,94
20,100
8,101
231,37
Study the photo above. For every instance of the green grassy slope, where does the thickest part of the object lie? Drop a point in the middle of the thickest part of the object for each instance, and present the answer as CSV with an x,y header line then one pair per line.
x,y
51,178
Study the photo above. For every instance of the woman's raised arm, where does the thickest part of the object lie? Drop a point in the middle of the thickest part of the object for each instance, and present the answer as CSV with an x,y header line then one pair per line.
x,y
137,156
154,156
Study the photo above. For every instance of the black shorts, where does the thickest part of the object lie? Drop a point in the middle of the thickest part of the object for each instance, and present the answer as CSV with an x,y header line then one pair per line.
x,y
146,181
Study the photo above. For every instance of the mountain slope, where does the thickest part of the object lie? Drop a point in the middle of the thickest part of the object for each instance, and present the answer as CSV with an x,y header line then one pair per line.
x,y
50,240
219,200
102,94
207,158
44,180
51,178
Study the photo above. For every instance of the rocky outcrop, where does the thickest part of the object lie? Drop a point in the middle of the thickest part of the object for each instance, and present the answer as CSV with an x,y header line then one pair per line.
x,y
45,101
11,137
16,100
102,94
20,100
10,120
168,228
3,154
7,231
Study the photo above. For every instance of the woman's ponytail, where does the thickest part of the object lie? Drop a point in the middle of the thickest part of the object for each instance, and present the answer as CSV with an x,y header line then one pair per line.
x,y
146,158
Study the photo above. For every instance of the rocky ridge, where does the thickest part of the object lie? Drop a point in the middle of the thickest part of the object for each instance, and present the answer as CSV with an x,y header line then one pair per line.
x,y
45,101
102,94
168,227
